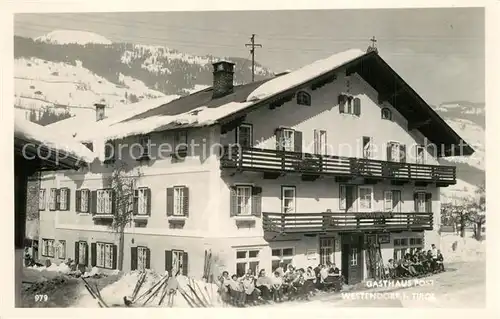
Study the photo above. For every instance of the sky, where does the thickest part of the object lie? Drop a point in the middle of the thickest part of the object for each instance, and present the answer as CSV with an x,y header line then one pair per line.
x,y
439,52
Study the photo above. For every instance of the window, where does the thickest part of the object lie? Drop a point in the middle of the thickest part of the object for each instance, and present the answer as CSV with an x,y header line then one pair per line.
x,y
142,257
349,105
84,200
104,256
420,202
142,201
180,140
403,246
244,135
179,201
63,199
354,257
367,147
145,143
420,154
288,200
320,146
392,201
288,140
347,197
104,202
386,114
48,248
247,259
303,98
244,200
283,255
41,199
178,262
396,152
110,152
53,199
61,249
82,252
326,250
365,198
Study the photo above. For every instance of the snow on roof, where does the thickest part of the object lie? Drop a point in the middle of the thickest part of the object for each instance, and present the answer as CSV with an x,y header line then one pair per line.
x,y
32,132
303,74
201,116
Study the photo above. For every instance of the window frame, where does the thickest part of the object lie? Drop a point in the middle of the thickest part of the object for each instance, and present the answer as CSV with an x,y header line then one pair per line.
x,y
142,262
249,205
238,134
84,202
82,251
372,201
291,145
42,199
423,202
387,115
145,142
59,244
368,148
417,157
303,98
178,205
281,258
323,256
247,261
284,188
320,142
53,199
99,205
63,198
178,262
406,246
142,198
353,261
45,251
103,255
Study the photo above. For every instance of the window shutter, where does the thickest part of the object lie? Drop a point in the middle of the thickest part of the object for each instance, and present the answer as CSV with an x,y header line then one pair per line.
x,y
93,254
297,141
148,258
115,250
341,103
316,142
357,107
77,252
170,201
428,202
148,199
58,199
415,200
133,258
86,262
257,201
68,197
389,153
342,196
93,202
185,204
185,264
278,133
78,199
396,198
168,261
113,202
89,201
233,202
135,200
402,150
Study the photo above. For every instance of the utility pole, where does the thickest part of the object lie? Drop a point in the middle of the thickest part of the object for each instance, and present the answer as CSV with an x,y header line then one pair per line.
x,y
252,46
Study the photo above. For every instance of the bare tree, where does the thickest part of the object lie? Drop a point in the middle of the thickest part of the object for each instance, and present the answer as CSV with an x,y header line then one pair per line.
x,y
122,181
477,211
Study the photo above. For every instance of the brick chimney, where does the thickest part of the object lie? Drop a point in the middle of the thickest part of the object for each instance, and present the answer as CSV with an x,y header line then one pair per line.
x,y
223,79
99,111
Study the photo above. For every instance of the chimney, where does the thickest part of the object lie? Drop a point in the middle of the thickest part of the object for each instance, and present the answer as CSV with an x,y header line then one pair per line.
x,y
99,111
223,79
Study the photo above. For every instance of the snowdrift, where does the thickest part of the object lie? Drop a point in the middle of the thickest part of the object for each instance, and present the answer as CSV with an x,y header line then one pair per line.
x,y
466,249
113,294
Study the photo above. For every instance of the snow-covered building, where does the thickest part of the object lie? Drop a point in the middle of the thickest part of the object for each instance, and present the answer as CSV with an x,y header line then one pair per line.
x,y
333,162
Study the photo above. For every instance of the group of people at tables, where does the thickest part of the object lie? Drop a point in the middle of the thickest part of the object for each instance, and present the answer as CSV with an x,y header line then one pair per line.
x,y
286,282
416,264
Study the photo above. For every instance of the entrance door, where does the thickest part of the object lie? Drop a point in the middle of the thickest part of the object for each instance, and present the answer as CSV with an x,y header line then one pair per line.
x,y
352,258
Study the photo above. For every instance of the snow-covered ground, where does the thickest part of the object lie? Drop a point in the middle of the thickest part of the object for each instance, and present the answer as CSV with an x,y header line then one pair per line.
x,y
73,36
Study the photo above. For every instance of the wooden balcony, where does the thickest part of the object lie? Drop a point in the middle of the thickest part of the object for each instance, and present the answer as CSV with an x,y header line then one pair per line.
x,y
315,165
346,222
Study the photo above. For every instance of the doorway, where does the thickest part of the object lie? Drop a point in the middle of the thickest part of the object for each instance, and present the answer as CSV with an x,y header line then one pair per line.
x,y
352,258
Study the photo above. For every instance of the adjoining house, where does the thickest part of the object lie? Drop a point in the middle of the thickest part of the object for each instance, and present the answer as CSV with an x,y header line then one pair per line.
x,y
334,162
36,149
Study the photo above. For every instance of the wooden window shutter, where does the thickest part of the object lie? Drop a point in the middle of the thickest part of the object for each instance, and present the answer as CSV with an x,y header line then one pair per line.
x,y
357,106
86,262
415,201
78,199
93,254
428,202
133,258
93,202
135,202
115,250
77,252
342,100
68,199
342,196
148,201
170,201
316,142
148,258
185,264
168,261
58,199
389,152
297,141
278,133
185,203
402,150
89,201
113,202
233,201
257,201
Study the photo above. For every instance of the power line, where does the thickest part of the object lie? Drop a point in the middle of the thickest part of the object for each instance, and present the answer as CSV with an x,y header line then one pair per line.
x,y
253,45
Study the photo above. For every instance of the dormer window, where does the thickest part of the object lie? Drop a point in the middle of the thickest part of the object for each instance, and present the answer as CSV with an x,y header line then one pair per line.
x,y
303,98
386,114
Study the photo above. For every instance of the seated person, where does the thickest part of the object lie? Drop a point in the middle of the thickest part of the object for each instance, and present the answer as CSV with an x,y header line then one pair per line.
x,y
440,260
277,287
391,268
298,284
248,281
264,284
236,291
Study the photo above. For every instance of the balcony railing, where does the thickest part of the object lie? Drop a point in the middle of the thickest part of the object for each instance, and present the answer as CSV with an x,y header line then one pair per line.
x,y
266,160
347,221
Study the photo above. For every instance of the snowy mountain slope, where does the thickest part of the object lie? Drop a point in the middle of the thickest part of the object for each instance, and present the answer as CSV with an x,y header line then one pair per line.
x,y
72,36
